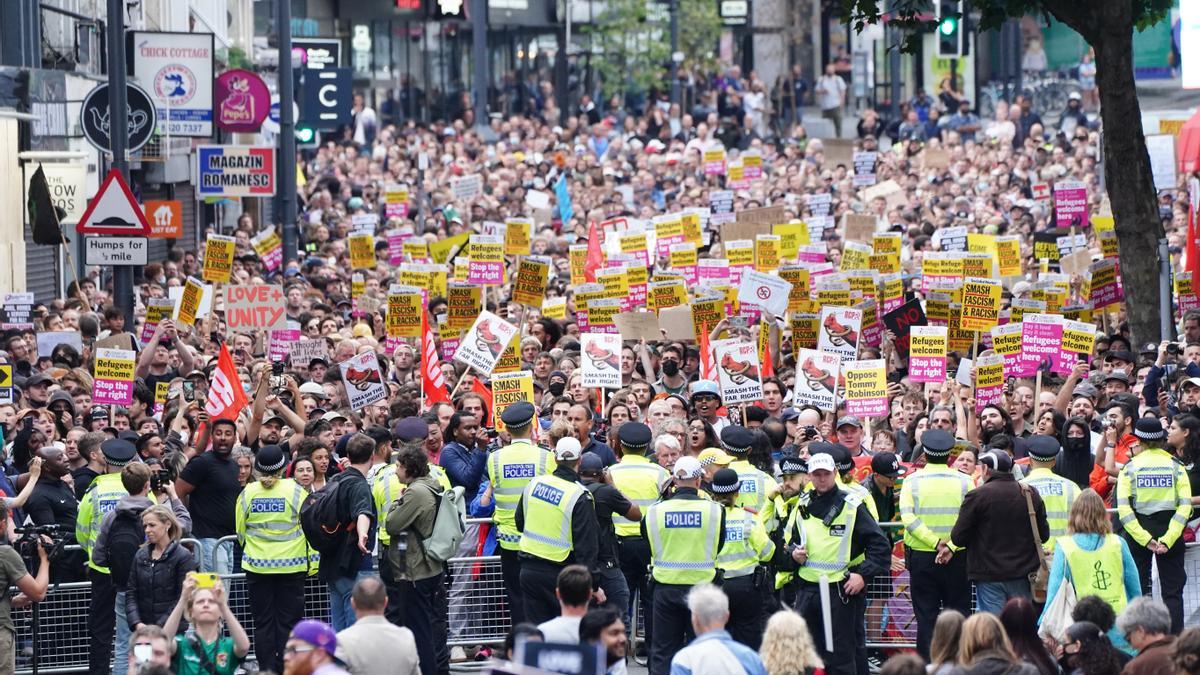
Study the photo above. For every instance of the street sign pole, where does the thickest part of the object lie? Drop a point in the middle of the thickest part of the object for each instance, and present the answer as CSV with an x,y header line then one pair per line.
x,y
119,138
287,136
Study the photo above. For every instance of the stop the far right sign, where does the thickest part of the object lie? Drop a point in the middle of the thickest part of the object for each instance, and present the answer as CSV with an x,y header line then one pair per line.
x,y
766,291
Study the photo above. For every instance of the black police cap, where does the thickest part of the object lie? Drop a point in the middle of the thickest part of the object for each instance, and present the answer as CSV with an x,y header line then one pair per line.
x,y
937,443
1043,448
118,452
634,435
737,439
270,458
518,415
725,481
789,466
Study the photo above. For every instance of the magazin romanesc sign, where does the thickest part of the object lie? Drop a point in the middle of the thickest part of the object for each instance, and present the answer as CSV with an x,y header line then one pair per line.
x,y
235,171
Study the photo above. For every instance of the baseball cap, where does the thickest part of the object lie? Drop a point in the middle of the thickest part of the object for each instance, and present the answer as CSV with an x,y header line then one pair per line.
x,y
710,456
999,462
821,462
887,464
849,420
687,467
1194,381
591,463
568,449
411,429
333,415
1120,355
318,634
313,389
1117,374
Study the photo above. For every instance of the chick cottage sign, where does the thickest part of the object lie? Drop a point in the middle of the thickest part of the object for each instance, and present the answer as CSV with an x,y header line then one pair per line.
x,y
177,70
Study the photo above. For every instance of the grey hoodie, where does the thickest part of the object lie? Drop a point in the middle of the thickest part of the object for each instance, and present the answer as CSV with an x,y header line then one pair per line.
x,y
131,504
61,395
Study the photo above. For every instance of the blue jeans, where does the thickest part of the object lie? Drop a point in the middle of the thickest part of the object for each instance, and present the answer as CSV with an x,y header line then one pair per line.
x,y
990,596
340,612
213,559
121,646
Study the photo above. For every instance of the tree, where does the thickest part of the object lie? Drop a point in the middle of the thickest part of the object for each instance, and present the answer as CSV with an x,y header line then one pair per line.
x,y
1106,25
634,50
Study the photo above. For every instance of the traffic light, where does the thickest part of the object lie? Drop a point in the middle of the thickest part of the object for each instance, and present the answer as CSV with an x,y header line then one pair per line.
x,y
306,137
950,33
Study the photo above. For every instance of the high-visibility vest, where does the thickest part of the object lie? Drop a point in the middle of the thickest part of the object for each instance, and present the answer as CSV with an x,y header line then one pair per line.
x,y
756,485
99,500
638,479
510,469
746,543
549,502
929,504
268,528
828,548
683,536
1153,482
785,512
1100,572
386,489
1058,494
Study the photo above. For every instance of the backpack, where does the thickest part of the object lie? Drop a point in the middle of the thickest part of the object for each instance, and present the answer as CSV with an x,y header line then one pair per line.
x,y
125,536
449,524
321,520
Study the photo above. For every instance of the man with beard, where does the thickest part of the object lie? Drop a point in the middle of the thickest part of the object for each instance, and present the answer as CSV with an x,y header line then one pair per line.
x,y
210,485
605,627
673,380
994,420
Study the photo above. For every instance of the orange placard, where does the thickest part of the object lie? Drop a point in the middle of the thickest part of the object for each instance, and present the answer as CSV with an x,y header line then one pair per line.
x,y
165,218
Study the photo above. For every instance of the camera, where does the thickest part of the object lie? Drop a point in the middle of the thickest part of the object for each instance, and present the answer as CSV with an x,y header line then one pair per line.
x,y
1105,423
161,476
809,432
27,541
1174,349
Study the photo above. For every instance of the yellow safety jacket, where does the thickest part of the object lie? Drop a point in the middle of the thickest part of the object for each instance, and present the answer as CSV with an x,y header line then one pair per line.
x,y
510,469
268,528
1099,572
1150,483
683,535
638,479
549,502
386,489
746,544
1058,494
929,504
98,501
828,548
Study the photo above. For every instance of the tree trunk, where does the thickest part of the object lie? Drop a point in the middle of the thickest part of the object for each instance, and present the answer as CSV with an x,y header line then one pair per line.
x,y
1108,25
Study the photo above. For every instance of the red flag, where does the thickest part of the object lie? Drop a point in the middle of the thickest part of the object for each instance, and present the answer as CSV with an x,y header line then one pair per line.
x,y
768,364
708,369
226,398
432,383
1193,247
482,389
595,255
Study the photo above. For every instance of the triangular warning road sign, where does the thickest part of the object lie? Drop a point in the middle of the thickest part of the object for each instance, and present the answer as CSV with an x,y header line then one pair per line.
x,y
114,211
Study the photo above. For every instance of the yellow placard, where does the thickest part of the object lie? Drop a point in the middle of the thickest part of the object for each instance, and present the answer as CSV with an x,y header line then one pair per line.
x,y
837,295
358,286
615,282
683,255
161,390
669,227
108,368
792,236
1008,256
530,286
462,268
706,314
602,312
189,301
362,251
1108,244
884,263
691,229
666,293
518,236
980,304
981,243
942,266
554,308
863,283
510,359
886,243
1078,337
740,253
1007,340
578,261
404,314
463,304
766,252
218,258
416,248
978,265
855,256
266,244
865,380
989,375
441,250
804,332
509,388
937,308
633,243
799,278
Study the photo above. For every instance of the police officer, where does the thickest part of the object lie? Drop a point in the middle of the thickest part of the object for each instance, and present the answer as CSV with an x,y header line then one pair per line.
x,y
641,481
557,521
745,548
833,527
509,470
1154,502
1058,493
100,498
929,503
756,484
685,533
386,488
275,554
794,474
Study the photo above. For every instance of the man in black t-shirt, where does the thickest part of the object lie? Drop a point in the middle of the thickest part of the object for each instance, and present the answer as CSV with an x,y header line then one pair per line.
x,y
210,485
53,503
608,500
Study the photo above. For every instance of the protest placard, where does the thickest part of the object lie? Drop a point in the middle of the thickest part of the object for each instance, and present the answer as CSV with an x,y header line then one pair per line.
x,y
466,188
1105,284
1070,204
816,379
1008,255
190,305
839,331
738,372
157,309
364,222
529,288
684,258
866,388
766,291
555,308
864,168
980,304
363,380
404,311
486,260
462,305
255,307
518,236
900,322
362,250
666,293
113,382
395,199
302,352
1041,344
280,341
269,248
510,388
601,360
989,381
1078,341
218,258
484,342
927,354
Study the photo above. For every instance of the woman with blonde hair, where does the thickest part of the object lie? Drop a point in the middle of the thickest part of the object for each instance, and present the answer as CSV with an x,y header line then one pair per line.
x,y
159,567
984,649
943,647
1093,560
787,646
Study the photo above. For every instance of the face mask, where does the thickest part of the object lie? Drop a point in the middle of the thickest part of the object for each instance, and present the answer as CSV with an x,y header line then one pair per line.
x,y
557,388
1076,444
670,368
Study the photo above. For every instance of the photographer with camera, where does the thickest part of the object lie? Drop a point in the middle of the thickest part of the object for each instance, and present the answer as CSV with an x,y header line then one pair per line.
x,y
13,572
1172,357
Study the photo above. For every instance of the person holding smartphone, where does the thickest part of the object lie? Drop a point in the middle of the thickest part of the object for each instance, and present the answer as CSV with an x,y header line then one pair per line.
x,y
154,364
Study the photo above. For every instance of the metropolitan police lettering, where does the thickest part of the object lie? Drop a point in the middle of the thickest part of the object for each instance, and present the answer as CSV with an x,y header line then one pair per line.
x,y
1155,480
107,505
271,505
749,486
548,494
684,519
1049,488
734,532
518,471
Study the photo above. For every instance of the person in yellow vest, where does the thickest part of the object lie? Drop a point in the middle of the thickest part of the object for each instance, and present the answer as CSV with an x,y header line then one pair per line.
x,y
100,498
275,554
557,521
756,484
929,503
685,534
794,480
744,551
1154,502
641,481
1092,559
831,528
509,470
1058,493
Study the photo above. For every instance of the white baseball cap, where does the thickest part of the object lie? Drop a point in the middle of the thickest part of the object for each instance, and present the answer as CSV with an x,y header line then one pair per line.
x,y
687,468
568,449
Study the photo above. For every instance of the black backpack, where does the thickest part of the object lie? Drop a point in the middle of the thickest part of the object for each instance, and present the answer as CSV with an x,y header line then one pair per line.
x,y
125,536
321,520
